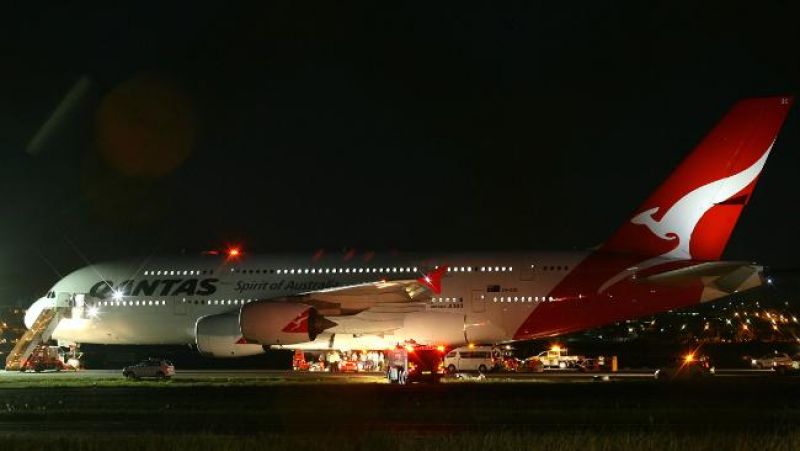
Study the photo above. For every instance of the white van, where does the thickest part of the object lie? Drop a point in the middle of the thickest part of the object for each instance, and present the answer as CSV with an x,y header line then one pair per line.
x,y
476,358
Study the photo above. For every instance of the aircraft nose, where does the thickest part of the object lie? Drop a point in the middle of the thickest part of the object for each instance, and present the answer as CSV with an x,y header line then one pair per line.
x,y
35,309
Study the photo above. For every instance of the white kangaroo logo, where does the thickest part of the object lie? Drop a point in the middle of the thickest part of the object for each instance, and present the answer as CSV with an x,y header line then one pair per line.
x,y
679,222
295,324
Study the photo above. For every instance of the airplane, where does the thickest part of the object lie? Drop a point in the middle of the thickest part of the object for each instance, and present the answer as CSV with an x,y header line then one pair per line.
x,y
665,256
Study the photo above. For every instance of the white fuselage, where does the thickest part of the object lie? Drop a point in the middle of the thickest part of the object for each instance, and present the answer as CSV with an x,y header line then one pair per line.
x,y
484,298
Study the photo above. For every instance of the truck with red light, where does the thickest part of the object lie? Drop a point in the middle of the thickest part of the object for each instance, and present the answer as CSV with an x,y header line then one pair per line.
x,y
299,362
691,366
408,364
45,358
505,359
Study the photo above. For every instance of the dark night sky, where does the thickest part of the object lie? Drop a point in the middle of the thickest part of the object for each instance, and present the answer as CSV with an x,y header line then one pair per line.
x,y
513,126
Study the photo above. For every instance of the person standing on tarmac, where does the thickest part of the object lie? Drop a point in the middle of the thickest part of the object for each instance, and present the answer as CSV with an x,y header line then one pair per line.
x,y
373,361
332,364
362,358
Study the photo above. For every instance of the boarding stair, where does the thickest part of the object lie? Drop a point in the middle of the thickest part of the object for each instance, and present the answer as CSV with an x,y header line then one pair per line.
x,y
39,333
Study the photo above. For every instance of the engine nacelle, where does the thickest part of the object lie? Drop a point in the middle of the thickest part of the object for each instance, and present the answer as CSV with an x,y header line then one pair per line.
x,y
221,336
281,323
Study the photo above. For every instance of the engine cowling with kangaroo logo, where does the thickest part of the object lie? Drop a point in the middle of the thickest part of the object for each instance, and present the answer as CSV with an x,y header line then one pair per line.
x,y
256,326
220,336
281,323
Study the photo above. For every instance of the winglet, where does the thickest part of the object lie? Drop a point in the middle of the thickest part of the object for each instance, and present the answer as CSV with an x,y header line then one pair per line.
x,y
433,279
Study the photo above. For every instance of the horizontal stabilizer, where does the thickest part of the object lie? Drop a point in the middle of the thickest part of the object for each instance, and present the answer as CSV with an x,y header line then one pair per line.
x,y
719,278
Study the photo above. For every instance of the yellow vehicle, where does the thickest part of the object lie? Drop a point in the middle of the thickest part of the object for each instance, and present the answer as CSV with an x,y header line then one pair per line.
x,y
558,357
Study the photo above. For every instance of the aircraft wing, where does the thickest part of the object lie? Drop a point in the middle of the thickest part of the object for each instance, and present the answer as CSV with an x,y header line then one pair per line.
x,y
374,307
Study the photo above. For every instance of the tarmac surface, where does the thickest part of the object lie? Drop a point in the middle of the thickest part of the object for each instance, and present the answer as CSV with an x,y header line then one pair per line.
x,y
247,402
377,377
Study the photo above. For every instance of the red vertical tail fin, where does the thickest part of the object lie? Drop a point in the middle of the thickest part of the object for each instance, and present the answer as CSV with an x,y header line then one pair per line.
x,y
693,213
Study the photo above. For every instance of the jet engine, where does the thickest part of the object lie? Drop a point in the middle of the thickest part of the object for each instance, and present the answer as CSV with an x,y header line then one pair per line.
x,y
281,323
220,336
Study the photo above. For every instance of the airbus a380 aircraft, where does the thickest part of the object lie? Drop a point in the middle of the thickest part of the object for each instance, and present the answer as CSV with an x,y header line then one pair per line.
x,y
664,257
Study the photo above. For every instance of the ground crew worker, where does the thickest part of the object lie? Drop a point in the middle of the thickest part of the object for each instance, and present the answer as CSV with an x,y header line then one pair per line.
x,y
331,362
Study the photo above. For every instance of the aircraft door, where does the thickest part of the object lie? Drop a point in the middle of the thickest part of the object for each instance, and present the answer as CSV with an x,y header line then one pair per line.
x,y
478,301
181,306
482,325
79,305
528,270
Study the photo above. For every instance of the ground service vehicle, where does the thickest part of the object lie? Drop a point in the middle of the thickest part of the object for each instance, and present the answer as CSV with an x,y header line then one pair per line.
x,y
425,364
44,358
470,358
299,362
791,369
415,364
558,357
155,368
588,365
348,366
505,360
688,367
772,360
531,365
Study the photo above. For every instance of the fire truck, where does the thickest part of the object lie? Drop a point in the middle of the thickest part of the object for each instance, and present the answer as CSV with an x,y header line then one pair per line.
x,y
415,363
299,362
44,358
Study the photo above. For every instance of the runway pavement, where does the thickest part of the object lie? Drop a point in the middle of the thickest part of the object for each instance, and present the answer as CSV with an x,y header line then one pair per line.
x,y
252,404
376,377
